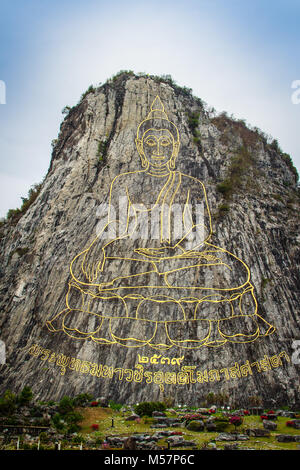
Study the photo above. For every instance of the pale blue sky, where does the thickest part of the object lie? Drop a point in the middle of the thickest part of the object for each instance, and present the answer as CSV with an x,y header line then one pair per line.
x,y
237,55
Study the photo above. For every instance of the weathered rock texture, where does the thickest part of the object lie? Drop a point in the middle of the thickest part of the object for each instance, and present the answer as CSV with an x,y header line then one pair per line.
x,y
253,197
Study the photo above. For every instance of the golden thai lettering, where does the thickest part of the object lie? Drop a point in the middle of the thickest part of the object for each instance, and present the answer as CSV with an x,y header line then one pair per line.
x,y
45,354
96,370
85,367
120,372
138,374
62,361
154,359
187,375
213,375
190,371
234,371
246,369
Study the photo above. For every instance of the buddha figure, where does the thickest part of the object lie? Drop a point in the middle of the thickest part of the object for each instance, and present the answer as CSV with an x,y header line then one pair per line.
x,y
152,276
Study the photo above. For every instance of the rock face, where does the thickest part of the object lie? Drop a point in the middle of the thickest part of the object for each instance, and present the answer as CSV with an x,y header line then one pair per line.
x,y
131,341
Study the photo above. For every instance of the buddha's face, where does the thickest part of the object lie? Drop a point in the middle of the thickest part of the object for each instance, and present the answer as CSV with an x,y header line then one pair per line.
x,y
158,146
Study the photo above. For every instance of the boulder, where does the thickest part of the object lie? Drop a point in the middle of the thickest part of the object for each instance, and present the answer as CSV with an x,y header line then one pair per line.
x,y
270,425
158,426
132,417
156,414
130,443
287,438
211,427
172,411
232,437
258,432
232,446
174,439
224,436
102,401
295,423
196,425
286,414
203,411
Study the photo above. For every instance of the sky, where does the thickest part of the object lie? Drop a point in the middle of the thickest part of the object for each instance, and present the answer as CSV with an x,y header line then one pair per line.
x,y
241,56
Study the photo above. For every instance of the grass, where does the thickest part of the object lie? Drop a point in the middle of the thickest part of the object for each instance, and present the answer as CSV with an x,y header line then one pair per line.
x,y
103,417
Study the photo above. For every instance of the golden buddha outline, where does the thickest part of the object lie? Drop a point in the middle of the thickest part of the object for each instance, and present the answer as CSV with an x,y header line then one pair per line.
x,y
177,291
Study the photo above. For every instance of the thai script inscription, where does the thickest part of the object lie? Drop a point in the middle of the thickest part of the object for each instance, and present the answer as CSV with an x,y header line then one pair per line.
x,y
188,374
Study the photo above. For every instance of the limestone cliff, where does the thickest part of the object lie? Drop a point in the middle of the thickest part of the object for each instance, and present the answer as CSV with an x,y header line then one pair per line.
x,y
251,189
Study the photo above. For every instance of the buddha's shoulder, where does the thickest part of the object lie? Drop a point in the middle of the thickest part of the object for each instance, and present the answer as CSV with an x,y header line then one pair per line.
x,y
130,176
189,180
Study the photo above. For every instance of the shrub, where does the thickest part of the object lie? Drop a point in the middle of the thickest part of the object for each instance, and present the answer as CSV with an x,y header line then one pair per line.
x,y
236,420
15,214
25,396
78,439
66,405
44,437
115,406
268,415
8,403
221,426
82,399
58,422
73,417
290,424
102,149
90,89
146,408
196,426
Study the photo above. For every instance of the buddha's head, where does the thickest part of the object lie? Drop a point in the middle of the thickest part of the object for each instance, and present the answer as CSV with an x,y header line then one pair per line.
x,y
157,139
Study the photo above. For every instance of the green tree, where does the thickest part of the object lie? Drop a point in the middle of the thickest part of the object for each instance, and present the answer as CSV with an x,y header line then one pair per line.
x,y
66,405
8,403
25,396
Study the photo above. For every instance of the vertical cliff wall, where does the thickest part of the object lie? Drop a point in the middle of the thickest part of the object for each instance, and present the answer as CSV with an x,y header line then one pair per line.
x,y
254,205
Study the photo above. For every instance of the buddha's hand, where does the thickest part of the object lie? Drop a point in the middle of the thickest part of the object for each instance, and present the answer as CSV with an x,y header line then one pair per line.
x,y
164,252
92,262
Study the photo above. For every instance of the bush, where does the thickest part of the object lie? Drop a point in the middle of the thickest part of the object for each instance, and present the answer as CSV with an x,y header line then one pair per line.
x,y
66,405
58,422
73,417
196,426
146,408
78,439
15,214
221,426
290,424
115,406
236,420
82,399
94,403
8,403
25,396
43,437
